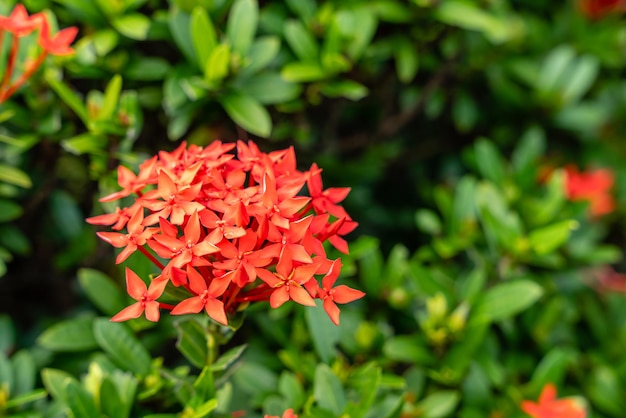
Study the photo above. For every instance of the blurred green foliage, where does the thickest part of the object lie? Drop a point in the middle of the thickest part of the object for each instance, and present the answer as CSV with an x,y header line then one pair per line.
x,y
443,117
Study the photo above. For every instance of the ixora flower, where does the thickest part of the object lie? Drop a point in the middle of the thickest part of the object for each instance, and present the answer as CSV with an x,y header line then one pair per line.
x,y
229,230
593,186
549,406
19,24
596,9
288,414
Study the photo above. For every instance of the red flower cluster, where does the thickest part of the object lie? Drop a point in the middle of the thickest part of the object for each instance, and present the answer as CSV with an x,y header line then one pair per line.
x,y
596,9
592,186
229,230
551,407
19,24
288,414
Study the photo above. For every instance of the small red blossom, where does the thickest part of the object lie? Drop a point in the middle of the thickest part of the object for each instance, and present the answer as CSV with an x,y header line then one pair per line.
x,y
288,414
229,230
549,406
146,298
19,24
606,279
593,186
596,9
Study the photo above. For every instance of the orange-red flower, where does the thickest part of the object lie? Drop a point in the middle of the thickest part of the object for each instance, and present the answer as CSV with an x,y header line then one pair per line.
x,y
593,186
229,230
288,414
59,44
596,9
19,23
146,298
551,407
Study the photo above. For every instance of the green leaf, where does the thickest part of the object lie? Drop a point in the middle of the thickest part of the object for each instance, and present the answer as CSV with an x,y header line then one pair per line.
x,y
305,9
439,404
80,402
471,16
366,381
552,367
407,349
179,23
531,147
192,341
255,379
407,60
203,35
7,375
553,68
580,78
86,143
111,98
32,396
133,25
489,161
14,176
66,214
55,380
111,404
261,53
7,334
242,24
25,373
101,291
70,335
324,333
9,210
548,238
217,64
301,41
68,96
464,112
290,387
344,88
328,391
228,358
122,346
247,112
427,221
358,24
506,300
303,72
271,88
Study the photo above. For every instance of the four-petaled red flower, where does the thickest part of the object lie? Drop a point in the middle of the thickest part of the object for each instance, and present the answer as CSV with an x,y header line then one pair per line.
x,y
287,414
229,231
593,186
145,296
551,407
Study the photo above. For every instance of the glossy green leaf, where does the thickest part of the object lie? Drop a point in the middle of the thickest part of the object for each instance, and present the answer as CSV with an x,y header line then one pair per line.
x,y
86,143
261,53
439,404
549,238
291,389
101,291
407,60
301,41
428,221
242,24
255,379
324,333
271,88
554,67
529,149
14,176
489,161
248,113
305,9
303,72
328,391
133,25
54,381
122,346
25,371
192,341
227,359
506,300
217,64
70,98
70,335
345,88
407,349
7,374
9,210
365,381
359,25
111,98
552,368
179,23
203,35
580,78
79,401
471,16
